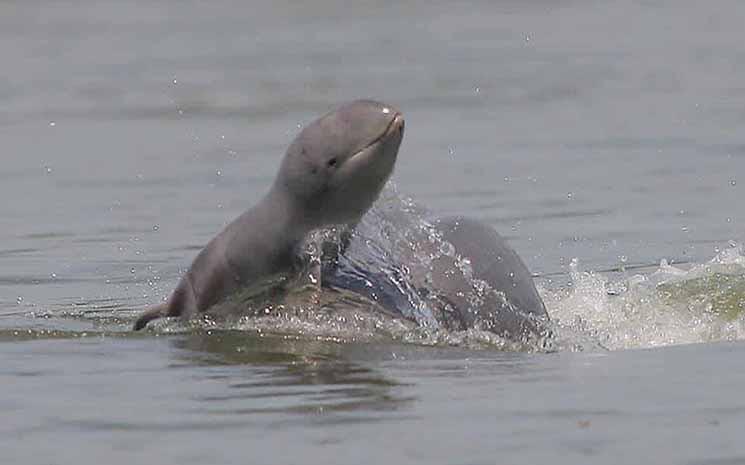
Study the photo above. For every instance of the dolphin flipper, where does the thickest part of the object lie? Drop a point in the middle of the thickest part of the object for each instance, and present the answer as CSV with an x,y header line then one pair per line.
x,y
152,313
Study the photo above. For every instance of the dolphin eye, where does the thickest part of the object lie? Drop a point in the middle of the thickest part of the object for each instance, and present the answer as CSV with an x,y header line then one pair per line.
x,y
332,162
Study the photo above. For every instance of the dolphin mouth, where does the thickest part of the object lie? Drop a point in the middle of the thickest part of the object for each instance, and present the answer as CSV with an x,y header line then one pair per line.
x,y
397,122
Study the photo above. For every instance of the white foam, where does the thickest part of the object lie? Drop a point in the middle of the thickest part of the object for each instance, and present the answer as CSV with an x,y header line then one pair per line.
x,y
669,306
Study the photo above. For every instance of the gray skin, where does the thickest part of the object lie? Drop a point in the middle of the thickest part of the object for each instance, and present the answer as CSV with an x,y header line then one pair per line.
x,y
510,307
331,174
521,314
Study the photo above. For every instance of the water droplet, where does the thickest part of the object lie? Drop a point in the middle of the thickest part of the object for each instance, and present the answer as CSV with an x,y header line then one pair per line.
x,y
570,195
623,258
386,110
218,173
48,169
446,248
733,182
19,299
52,124
175,81
682,212
156,227
527,38
451,150
729,220
476,90
54,275
132,270
684,228
180,111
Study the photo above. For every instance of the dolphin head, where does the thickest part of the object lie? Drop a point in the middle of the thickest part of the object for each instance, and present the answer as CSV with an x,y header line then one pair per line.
x,y
336,167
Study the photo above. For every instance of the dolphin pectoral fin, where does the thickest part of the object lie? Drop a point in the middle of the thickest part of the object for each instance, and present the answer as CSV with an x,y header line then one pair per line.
x,y
152,313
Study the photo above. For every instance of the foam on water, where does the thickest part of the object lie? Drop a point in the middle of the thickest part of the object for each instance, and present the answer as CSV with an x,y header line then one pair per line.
x,y
669,306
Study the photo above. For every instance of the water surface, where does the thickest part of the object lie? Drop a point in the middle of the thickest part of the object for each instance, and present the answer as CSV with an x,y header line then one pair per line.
x,y
600,138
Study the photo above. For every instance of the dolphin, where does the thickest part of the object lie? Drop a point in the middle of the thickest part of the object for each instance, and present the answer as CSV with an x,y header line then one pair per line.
x,y
330,175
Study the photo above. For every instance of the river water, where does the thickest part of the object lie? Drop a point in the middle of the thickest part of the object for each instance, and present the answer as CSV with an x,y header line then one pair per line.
x,y
603,139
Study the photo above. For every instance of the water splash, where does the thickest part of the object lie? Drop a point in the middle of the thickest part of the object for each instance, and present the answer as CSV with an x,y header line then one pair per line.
x,y
672,305
396,243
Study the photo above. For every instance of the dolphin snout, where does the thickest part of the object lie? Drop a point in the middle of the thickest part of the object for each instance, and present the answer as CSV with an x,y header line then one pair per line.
x,y
398,123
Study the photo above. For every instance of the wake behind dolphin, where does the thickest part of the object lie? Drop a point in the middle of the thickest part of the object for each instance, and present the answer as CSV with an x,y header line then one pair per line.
x,y
331,175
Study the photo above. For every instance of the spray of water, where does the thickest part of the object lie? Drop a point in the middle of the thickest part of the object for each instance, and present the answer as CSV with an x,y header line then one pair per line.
x,y
395,245
669,306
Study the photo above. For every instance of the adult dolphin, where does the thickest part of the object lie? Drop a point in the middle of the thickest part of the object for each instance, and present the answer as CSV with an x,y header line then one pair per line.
x,y
331,174
455,273
511,307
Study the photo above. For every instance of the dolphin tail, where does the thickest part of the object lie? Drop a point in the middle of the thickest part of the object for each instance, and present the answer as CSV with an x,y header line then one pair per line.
x,y
152,313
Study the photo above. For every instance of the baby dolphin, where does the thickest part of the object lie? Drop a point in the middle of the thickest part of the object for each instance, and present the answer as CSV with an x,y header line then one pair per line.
x,y
331,174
